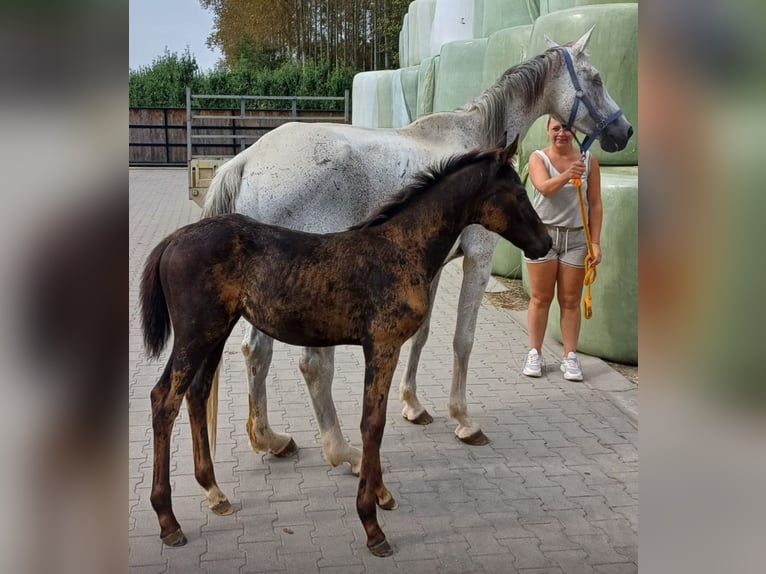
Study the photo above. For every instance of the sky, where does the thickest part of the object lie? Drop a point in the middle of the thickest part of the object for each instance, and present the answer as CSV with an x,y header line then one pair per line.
x,y
175,24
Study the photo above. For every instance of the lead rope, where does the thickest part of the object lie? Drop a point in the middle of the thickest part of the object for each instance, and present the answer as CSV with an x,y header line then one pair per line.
x,y
590,271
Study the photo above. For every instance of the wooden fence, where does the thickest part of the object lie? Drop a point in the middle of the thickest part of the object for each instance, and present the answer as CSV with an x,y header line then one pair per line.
x,y
158,136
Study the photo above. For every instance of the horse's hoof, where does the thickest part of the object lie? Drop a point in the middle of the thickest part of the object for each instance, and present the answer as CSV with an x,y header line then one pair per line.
x,y
174,539
388,504
290,449
422,419
223,508
476,439
381,549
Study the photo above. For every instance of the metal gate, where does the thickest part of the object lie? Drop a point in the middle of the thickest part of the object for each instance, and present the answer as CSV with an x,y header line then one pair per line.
x,y
224,133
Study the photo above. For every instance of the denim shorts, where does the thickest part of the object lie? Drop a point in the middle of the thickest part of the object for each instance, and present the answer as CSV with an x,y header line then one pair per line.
x,y
569,246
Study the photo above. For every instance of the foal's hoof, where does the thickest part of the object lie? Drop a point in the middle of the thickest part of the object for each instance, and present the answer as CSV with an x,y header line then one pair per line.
x,y
476,439
389,503
223,508
175,539
422,419
381,549
290,449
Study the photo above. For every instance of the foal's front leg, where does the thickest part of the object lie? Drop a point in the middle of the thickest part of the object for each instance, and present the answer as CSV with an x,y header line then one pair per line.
x,y
258,349
318,366
380,364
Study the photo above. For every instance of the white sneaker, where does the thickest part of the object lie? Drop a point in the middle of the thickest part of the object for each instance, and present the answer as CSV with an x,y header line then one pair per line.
x,y
534,364
570,366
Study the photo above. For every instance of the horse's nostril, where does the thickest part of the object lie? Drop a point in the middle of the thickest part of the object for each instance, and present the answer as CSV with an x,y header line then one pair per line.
x,y
630,131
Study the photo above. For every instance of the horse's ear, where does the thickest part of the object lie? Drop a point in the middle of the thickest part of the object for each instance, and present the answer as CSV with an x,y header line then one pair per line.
x,y
507,155
551,43
579,46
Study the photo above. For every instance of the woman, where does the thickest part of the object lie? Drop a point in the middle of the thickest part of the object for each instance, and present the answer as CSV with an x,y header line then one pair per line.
x,y
555,199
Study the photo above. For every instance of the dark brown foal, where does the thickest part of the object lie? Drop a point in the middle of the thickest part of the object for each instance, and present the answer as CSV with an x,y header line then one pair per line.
x,y
367,286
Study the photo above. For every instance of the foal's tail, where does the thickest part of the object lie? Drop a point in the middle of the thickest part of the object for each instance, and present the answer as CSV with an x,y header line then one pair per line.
x,y
223,191
155,319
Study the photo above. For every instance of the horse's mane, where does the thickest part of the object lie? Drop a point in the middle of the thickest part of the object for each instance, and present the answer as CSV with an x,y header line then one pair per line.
x,y
525,80
421,182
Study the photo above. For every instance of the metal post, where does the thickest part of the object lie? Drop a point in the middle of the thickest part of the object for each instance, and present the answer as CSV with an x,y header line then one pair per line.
x,y
241,113
188,126
345,106
295,107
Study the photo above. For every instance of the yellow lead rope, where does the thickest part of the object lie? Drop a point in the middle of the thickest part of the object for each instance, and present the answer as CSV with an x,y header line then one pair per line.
x,y
590,271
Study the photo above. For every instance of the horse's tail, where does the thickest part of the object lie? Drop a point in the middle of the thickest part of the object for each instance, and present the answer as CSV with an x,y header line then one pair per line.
x,y
155,319
212,412
222,194
221,198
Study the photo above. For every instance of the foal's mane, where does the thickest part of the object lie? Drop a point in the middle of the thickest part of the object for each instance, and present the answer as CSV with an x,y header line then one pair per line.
x,y
422,182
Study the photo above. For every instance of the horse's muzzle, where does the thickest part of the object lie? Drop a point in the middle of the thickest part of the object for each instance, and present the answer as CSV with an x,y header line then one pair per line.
x,y
615,136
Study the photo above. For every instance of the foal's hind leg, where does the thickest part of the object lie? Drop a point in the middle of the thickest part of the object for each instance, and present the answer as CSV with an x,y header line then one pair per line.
x,y
413,411
317,366
477,245
257,349
166,397
196,402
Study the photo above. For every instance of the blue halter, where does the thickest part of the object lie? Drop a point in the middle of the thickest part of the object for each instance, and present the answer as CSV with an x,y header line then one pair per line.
x,y
601,122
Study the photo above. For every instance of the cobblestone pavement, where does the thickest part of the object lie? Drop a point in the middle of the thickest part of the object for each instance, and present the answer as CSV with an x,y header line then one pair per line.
x,y
555,491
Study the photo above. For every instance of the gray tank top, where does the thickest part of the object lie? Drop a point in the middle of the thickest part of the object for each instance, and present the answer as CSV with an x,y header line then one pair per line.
x,y
561,209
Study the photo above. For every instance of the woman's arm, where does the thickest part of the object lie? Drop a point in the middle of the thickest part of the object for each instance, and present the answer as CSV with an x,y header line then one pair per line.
x,y
546,184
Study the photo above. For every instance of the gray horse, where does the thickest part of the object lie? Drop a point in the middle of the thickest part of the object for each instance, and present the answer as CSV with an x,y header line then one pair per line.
x,y
326,177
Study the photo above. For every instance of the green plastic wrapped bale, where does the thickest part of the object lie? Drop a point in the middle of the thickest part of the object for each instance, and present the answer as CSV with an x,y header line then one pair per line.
x,y
478,19
364,107
410,89
505,48
460,75
500,14
506,260
420,17
613,50
404,42
372,101
384,98
428,70
612,332
548,6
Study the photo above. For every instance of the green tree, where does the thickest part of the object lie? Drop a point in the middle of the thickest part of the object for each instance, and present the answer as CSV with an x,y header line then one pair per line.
x,y
163,84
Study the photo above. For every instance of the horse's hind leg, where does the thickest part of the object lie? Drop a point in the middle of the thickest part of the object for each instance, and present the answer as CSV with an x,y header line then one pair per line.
x,y
258,348
317,366
166,397
477,246
196,402
413,411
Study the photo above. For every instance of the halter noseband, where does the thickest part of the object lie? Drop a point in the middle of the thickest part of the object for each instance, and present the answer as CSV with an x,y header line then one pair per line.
x,y
601,122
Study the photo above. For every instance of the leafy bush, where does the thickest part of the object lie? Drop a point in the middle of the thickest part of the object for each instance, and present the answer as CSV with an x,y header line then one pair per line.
x,y
163,84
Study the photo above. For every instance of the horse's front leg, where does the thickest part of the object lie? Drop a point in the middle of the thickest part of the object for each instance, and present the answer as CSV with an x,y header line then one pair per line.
x,y
196,403
413,411
318,366
258,349
477,245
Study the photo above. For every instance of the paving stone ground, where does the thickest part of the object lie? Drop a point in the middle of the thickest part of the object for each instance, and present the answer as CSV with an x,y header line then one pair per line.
x,y
556,491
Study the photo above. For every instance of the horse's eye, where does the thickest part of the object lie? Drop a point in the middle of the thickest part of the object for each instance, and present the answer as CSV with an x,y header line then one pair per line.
x,y
597,81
